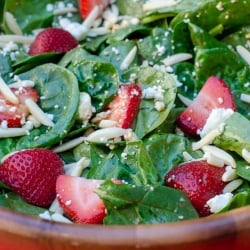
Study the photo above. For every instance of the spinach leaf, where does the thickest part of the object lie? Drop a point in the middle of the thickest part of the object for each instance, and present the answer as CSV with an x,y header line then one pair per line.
x,y
5,66
116,52
130,204
209,14
14,202
227,63
131,163
166,151
30,15
107,165
233,138
99,79
157,46
59,89
148,117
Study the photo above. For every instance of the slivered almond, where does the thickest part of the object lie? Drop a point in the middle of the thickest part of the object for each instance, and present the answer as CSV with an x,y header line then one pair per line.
x,y
244,53
12,23
207,139
38,113
184,100
92,16
246,155
157,4
104,134
12,132
220,154
16,39
232,186
128,59
6,91
69,145
176,58
245,98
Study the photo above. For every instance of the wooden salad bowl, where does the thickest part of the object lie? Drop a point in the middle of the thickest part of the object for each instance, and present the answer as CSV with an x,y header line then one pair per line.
x,y
230,230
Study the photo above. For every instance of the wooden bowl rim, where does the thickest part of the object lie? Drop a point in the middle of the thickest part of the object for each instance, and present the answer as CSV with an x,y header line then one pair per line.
x,y
200,229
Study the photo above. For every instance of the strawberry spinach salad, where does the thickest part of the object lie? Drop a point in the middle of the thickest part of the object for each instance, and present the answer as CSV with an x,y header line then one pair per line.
x,y
124,112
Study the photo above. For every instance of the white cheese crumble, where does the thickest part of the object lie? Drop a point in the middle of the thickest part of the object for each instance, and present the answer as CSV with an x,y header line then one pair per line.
x,y
85,109
216,118
218,202
155,92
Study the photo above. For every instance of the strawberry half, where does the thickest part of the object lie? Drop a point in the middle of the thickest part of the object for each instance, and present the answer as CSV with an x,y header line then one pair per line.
x,y
79,201
32,174
13,114
124,107
52,40
86,6
199,180
214,94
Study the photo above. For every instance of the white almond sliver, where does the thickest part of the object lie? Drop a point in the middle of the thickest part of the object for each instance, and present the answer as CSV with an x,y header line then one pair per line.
x,y
213,160
229,175
76,168
55,207
104,134
128,59
245,98
232,186
157,4
60,218
12,132
244,53
185,100
6,91
16,39
63,11
37,112
206,139
12,23
92,16
69,145
221,154
246,155
177,58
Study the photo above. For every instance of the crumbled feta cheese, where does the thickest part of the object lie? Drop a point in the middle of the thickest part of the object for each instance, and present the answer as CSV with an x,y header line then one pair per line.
x,y
217,117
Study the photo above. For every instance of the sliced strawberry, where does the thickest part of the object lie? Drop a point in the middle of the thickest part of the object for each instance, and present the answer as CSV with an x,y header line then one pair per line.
x,y
79,201
124,107
199,180
214,94
32,174
52,40
13,114
85,6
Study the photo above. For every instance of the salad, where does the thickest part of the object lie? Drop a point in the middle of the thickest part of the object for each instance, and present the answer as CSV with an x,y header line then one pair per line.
x,y
124,112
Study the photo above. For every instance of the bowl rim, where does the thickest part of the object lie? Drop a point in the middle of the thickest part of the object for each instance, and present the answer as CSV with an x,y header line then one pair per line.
x,y
205,228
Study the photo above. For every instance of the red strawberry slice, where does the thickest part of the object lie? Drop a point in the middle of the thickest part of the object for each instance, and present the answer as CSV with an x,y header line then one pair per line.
x,y
52,40
124,107
79,201
199,180
13,114
32,174
85,6
214,94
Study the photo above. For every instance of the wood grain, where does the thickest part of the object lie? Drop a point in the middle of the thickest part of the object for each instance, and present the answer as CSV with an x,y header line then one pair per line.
x,y
226,231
